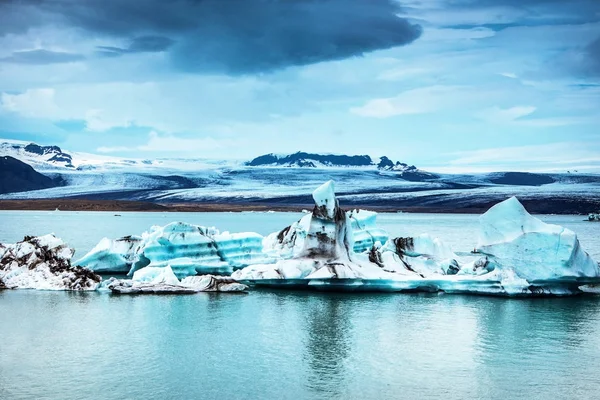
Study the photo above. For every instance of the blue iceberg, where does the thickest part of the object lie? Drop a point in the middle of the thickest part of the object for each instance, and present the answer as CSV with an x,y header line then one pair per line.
x,y
187,249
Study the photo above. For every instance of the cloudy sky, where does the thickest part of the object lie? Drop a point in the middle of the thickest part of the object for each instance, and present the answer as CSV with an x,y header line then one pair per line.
x,y
448,85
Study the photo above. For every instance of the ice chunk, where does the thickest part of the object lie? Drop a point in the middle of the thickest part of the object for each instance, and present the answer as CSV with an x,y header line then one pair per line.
x,y
325,199
112,256
188,249
326,251
155,276
423,255
212,283
43,263
365,231
154,280
289,242
536,251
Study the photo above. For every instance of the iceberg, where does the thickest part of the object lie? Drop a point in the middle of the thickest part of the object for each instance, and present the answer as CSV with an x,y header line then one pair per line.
x,y
538,252
187,249
289,242
112,256
44,263
325,251
365,231
162,280
516,255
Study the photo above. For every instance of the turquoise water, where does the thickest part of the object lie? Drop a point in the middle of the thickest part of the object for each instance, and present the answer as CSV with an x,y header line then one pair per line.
x,y
286,345
291,345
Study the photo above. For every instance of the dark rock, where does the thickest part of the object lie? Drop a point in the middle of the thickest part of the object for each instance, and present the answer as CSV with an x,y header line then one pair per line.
x,y
521,179
62,158
302,159
41,150
385,163
453,268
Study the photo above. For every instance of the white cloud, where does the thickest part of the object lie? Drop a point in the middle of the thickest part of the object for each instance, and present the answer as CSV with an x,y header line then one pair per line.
x,y
33,103
549,156
174,144
415,101
401,73
505,115
96,120
44,103
451,34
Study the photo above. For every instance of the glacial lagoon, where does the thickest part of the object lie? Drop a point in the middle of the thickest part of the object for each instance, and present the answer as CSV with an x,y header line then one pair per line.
x,y
297,345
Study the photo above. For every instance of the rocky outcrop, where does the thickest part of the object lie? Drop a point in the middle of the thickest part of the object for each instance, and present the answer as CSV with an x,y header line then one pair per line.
x,y
16,176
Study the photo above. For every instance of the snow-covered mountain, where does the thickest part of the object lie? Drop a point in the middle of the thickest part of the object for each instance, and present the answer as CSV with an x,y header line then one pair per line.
x,y
289,179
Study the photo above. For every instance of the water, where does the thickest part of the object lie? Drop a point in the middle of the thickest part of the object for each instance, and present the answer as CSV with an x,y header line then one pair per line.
x,y
286,345
290,345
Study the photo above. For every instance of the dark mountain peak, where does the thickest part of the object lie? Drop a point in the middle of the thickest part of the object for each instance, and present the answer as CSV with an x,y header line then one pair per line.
x,y
385,163
311,160
41,150
57,155
16,176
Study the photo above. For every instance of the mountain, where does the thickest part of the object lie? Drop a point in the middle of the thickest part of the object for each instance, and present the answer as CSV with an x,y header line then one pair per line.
x,y
310,160
288,180
16,176
313,160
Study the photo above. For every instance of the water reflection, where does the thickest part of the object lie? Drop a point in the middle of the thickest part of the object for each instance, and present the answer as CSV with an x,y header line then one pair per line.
x,y
328,343
519,335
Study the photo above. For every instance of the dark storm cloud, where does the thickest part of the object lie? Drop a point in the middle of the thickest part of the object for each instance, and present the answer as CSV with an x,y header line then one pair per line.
x,y
230,36
143,44
41,57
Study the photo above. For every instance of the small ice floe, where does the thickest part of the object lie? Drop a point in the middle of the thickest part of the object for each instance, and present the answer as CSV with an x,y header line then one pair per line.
x,y
155,280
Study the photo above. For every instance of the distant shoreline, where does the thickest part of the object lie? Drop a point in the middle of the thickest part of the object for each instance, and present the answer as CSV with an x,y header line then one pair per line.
x,y
540,207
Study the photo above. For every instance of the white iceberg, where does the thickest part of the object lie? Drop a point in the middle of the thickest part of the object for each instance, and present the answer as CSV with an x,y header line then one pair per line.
x,y
534,250
325,251
517,254
43,263
155,276
289,242
162,280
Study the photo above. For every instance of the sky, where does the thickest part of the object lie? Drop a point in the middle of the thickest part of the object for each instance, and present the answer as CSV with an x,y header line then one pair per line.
x,y
447,85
